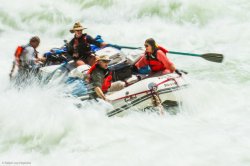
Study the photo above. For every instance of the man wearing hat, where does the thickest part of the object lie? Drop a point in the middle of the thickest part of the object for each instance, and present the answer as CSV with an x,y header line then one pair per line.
x,y
79,47
100,77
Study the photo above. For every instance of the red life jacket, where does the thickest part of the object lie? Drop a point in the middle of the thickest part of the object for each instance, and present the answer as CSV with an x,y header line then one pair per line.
x,y
162,49
83,48
153,62
18,53
84,39
107,79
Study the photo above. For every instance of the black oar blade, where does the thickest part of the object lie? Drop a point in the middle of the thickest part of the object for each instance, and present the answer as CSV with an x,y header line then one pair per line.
x,y
213,57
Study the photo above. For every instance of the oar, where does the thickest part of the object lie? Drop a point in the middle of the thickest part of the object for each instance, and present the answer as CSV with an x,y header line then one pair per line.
x,y
127,47
133,48
213,57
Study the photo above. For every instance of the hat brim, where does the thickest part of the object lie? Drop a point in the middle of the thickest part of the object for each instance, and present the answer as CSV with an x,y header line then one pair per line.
x,y
76,29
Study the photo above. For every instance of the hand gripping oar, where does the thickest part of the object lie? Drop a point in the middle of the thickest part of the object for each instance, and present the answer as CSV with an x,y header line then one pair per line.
x,y
213,57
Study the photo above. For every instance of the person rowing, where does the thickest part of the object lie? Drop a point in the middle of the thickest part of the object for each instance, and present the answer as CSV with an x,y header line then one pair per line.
x,y
155,57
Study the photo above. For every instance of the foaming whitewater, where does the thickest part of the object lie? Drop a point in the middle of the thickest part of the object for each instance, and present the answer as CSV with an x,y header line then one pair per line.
x,y
42,126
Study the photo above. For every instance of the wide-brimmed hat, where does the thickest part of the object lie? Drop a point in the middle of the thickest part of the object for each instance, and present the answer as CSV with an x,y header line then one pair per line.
x,y
103,58
77,26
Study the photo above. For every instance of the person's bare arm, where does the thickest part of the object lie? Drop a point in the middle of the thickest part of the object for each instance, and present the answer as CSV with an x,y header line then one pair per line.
x,y
40,59
166,61
99,93
103,44
141,62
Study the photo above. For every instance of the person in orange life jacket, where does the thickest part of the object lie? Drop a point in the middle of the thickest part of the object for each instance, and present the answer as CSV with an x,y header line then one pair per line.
x,y
79,47
155,58
100,78
26,58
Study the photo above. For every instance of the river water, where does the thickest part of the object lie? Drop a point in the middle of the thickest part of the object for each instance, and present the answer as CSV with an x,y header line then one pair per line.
x,y
40,127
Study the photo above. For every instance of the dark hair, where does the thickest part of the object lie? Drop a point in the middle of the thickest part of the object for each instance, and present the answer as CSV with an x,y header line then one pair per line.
x,y
152,43
35,39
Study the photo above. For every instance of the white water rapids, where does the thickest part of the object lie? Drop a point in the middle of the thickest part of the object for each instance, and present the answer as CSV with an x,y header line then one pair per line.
x,y
40,127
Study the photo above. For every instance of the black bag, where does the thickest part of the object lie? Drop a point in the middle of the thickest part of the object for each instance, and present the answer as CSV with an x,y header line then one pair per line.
x,y
121,71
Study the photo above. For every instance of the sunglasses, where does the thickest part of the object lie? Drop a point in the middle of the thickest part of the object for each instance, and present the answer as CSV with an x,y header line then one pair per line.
x,y
146,45
106,61
78,30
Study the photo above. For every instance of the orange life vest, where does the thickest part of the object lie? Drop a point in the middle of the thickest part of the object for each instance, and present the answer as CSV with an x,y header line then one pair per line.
x,y
84,39
162,49
81,46
18,53
107,79
153,62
